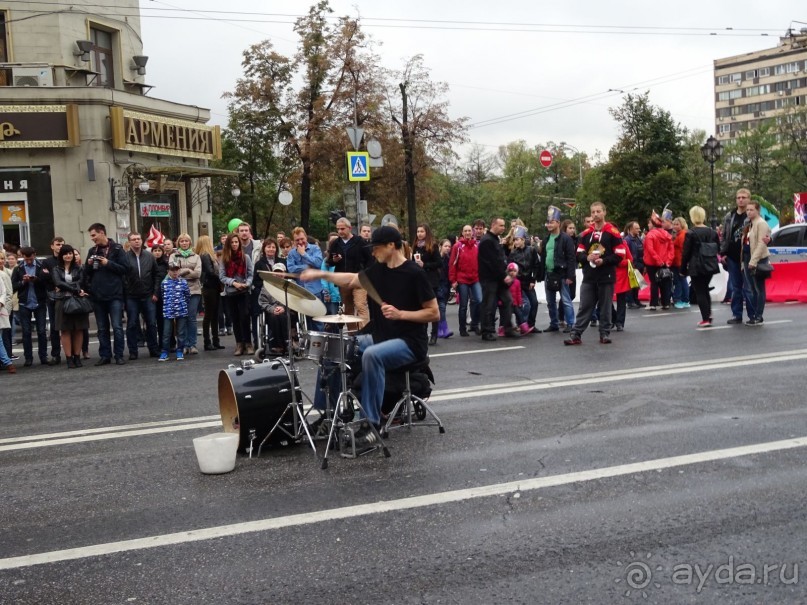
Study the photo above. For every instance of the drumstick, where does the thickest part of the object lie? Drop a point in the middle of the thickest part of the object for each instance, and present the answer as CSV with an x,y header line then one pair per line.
x,y
368,285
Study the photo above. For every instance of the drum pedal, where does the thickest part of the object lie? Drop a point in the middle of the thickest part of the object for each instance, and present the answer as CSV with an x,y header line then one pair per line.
x,y
357,438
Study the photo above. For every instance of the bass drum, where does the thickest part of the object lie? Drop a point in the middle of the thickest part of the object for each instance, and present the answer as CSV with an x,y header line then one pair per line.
x,y
254,397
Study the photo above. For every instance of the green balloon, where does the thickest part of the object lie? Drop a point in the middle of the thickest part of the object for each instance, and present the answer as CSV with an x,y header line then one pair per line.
x,y
233,224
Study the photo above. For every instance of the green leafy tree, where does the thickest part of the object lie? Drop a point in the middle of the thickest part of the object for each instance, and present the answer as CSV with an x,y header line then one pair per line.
x,y
645,167
419,108
300,96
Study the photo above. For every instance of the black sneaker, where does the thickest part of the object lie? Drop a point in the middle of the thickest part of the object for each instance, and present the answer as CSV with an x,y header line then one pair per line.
x,y
552,329
593,323
753,322
463,333
735,321
489,337
104,361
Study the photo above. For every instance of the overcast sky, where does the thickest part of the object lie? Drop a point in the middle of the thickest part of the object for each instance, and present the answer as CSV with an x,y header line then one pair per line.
x,y
557,60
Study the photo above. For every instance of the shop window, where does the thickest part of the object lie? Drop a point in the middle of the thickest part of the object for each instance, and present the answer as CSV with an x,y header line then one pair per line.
x,y
102,58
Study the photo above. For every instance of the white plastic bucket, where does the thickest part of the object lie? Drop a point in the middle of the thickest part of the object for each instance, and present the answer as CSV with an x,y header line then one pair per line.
x,y
216,452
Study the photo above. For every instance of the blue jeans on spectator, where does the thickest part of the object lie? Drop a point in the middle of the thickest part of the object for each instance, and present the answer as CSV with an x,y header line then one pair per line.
x,y
680,286
135,307
5,360
8,341
376,359
740,291
191,335
26,318
475,292
565,303
182,325
530,305
758,293
106,312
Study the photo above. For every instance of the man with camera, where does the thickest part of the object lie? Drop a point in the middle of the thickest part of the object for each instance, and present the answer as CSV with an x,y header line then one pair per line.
x,y
350,254
104,278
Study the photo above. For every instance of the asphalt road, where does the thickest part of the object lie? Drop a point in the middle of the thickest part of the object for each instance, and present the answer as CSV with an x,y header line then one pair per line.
x,y
664,468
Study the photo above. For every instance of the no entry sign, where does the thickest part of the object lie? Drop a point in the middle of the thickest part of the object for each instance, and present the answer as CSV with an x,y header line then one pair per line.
x,y
545,157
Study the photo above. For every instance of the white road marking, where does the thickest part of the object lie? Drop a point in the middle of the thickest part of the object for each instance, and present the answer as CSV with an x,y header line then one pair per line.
x,y
386,506
104,436
730,326
100,434
476,351
106,429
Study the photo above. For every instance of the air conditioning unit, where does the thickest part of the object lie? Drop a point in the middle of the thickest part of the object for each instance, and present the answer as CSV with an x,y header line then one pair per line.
x,y
733,118
719,119
32,76
738,83
781,93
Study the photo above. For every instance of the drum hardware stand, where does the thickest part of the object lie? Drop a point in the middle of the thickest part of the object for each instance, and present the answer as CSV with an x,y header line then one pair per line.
x,y
347,397
251,440
295,406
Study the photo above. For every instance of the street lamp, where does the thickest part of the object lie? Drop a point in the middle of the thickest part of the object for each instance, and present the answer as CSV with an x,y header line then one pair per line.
x,y
711,152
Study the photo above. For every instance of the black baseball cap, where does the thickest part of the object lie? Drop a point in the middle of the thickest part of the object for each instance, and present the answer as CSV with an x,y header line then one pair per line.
x,y
386,235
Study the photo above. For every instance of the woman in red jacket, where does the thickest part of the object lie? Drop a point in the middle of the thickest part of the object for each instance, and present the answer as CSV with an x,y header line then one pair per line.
x,y
463,273
658,253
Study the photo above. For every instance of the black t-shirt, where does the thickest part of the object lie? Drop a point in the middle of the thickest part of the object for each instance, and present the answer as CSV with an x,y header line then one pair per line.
x,y
735,236
405,288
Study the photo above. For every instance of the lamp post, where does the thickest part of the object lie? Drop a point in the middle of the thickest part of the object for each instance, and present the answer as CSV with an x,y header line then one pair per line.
x,y
711,152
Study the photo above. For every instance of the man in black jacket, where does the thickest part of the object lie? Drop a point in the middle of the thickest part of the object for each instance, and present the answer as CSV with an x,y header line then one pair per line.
x,y
28,282
142,293
349,253
600,249
495,283
48,265
104,278
558,252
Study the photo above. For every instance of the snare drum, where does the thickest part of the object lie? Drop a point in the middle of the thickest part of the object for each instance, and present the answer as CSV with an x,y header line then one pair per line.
x,y
321,346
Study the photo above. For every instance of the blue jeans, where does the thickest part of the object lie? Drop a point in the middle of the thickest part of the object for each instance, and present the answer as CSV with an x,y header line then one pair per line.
x,y
758,293
5,360
182,325
190,321
680,286
26,317
475,292
135,307
107,311
530,305
565,302
376,359
740,291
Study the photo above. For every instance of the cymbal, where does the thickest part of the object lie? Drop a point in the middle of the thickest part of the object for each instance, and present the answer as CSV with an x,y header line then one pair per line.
x,y
299,299
339,319
278,278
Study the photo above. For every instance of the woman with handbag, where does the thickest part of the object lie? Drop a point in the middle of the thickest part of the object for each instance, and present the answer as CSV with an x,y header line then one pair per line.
x,y
699,261
756,264
658,257
235,272
73,306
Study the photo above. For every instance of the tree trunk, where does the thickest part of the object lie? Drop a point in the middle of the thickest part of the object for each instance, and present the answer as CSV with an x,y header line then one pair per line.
x,y
409,172
305,194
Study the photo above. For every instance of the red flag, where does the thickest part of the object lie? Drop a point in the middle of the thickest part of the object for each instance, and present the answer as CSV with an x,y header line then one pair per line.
x,y
155,238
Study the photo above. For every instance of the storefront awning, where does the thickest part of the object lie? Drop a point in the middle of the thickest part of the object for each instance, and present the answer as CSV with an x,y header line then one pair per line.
x,y
179,172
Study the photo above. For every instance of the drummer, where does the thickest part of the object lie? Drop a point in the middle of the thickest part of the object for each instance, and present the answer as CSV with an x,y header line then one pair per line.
x,y
396,335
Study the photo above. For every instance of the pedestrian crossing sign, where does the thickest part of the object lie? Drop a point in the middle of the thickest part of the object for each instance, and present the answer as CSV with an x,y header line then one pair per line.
x,y
358,166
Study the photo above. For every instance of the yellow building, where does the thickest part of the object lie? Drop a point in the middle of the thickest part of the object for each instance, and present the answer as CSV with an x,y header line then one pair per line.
x,y
80,142
757,86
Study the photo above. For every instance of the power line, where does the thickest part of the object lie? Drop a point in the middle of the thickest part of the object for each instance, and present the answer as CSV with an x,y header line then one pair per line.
x,y
426,24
